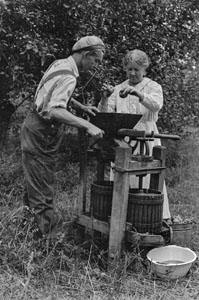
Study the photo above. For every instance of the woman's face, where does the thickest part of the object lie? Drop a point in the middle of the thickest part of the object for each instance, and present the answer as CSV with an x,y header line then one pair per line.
x,y
90,61
134,72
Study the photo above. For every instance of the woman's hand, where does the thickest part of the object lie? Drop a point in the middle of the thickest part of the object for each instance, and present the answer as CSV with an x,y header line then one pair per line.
x,y
132,91
107,90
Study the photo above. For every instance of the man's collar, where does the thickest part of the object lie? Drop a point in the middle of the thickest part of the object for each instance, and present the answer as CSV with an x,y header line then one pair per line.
x,y
74,65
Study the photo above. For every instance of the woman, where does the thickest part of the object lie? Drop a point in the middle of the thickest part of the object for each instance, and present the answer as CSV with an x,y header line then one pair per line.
x,y
137,95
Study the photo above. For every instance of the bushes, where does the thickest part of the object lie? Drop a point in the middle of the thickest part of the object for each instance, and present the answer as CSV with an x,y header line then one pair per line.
x,y
34,33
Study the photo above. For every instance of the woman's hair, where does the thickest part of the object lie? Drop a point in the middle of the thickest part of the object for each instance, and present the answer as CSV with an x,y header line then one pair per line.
x,y
138,56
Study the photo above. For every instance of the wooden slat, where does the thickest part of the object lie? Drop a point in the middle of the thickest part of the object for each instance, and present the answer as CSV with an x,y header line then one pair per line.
x,y
93,223
138,166
81,204
142,239
132,237
119,207
100,170
157,180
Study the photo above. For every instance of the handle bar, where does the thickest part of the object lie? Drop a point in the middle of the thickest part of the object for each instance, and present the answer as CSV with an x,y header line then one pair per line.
x,y
143,134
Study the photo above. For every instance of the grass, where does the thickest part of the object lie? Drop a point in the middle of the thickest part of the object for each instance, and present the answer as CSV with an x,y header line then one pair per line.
x,y
70,267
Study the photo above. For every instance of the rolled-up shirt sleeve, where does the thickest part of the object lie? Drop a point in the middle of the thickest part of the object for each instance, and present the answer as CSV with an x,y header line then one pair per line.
x,y
62,92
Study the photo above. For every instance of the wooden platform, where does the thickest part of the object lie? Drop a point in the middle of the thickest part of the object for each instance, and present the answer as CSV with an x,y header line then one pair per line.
x,y
131,236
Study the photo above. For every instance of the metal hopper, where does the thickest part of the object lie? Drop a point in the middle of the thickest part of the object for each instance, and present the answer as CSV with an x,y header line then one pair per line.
x,y
112,122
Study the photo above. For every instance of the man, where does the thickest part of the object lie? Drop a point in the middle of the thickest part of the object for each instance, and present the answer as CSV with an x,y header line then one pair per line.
x,y
42,130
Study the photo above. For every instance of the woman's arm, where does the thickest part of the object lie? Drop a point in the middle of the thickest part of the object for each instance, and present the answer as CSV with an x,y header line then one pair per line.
x,y
151,96
153,100
108,100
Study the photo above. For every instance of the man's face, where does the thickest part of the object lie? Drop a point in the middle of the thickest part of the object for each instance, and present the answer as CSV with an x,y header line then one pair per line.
x,y
90,61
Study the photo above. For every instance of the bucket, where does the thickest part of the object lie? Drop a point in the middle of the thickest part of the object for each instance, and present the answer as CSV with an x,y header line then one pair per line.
x,y
101,199
182,233
145,210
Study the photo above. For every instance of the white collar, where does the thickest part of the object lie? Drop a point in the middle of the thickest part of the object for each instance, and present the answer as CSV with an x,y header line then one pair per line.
x,y
74,65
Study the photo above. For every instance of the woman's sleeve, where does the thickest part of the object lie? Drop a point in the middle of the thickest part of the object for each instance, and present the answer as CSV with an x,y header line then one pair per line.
x,y
153,98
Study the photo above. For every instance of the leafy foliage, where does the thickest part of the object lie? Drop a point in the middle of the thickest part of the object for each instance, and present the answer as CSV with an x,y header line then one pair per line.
x,y
36,32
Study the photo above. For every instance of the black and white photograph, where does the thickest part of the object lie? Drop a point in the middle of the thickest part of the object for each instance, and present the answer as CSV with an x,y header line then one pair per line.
x,y
99,150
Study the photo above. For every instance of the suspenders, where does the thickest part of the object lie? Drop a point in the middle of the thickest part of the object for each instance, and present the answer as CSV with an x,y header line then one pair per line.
x,y
50,76
56,73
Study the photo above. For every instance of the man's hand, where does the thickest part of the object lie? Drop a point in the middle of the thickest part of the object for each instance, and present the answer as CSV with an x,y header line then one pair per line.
x,y
90,110
94,132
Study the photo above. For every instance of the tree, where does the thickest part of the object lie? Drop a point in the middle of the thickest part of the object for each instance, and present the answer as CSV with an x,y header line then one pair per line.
x,y
35,32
